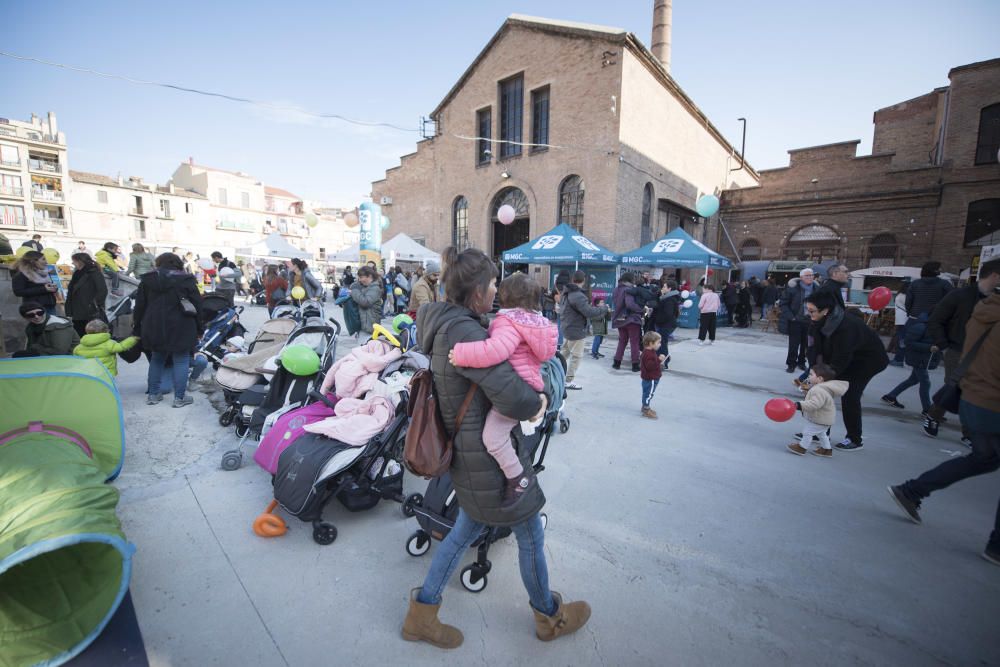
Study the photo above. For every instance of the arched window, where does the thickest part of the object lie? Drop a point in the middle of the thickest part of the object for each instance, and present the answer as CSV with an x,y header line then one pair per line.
x,y
750,250
460,223
646,230
509,236
982,225
883,250
571,202
813,242
988,144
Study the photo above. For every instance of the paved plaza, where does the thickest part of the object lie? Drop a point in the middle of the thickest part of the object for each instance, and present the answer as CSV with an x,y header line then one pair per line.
x,y
697,539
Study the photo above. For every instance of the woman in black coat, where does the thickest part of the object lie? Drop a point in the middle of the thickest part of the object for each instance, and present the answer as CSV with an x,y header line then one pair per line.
x,y
744,308
167,332
32,283
87,293
853,349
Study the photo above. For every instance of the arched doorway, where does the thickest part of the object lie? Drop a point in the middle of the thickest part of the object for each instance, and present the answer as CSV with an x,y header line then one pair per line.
x,y
815,243
510,236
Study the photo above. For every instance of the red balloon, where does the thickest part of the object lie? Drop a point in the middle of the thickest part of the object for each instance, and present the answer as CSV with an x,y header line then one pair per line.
x,y
710,272
779,409
879,298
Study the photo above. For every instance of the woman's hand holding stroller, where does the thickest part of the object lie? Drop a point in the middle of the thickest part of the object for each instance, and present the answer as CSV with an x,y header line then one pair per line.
x,y
541,412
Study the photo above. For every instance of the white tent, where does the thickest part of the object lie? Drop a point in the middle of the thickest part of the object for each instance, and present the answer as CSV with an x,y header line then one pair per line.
x,y
348,255
273,246
403,248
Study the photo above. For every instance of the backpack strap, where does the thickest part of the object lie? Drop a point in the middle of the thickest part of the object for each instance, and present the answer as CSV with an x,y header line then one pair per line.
x,y
465,406
967,360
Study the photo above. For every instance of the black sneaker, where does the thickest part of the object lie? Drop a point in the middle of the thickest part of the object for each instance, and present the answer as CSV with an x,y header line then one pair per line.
x,y
910,508
635,368
802,366
848,445
891,400
790,369
992,553
966,441
930,427
514,489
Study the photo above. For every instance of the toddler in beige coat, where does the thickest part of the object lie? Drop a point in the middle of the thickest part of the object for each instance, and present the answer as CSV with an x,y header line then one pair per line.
x,y
819,409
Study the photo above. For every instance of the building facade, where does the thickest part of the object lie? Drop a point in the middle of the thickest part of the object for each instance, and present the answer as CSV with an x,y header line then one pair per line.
x,y
567,123
33,177
929,190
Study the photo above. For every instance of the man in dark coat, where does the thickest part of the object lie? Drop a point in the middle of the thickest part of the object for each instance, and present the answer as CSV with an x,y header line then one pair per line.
x,y
768,297
167,332
665,313
576,315
836,282
927,291
793,312
853,350
35,243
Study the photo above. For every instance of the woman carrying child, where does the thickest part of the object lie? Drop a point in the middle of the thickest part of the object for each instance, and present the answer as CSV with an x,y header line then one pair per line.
x,y
469,280
524,337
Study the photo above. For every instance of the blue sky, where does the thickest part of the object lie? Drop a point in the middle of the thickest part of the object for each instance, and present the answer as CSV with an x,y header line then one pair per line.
x,y
803,73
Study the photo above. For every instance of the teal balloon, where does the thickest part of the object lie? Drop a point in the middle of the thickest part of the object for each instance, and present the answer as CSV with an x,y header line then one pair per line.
x,y
300,360
385,222
707,205
401,321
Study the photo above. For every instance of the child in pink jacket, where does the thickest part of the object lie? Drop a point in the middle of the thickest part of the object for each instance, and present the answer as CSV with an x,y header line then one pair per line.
x,y
522,335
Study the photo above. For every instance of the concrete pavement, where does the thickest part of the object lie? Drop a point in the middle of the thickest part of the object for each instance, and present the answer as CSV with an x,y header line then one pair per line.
x,y
697,539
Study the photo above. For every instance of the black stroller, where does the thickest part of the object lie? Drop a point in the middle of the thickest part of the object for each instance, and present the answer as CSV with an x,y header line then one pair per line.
x,y
437,508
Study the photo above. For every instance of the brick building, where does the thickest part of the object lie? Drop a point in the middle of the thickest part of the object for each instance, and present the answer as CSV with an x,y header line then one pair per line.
x,y
568,123
930,188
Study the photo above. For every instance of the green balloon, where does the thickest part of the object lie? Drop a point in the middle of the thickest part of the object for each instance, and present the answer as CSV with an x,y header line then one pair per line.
x,y
400,321
300,360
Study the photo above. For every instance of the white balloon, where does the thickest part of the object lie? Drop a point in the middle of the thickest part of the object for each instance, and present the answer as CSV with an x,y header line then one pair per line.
x,y
685,294
506,214
688,303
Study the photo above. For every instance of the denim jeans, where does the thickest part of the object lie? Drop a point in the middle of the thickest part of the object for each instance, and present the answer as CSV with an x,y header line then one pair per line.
x,y
648,389
985,457
179,372
198,365
918,375
596,347
900,351
664,347
530,553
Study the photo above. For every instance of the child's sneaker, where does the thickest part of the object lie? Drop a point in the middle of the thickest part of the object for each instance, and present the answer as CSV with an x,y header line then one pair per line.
x,y
514,489
821,452
649,413
796,448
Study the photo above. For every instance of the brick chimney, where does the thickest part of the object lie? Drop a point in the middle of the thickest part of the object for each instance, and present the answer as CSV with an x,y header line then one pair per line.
x,y
662,11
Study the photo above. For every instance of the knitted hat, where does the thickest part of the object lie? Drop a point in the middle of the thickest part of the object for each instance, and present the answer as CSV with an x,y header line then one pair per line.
x,y
29,306
433,267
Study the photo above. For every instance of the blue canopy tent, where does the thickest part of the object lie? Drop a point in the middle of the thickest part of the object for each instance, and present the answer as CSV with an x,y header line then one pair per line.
x,y
676,250
561,245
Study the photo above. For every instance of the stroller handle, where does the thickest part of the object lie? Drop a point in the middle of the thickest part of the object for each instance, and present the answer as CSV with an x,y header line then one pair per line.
x,y
316,395
336,325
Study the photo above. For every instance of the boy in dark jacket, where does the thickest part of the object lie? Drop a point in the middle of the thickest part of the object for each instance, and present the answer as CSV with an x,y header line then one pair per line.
x,y
927,291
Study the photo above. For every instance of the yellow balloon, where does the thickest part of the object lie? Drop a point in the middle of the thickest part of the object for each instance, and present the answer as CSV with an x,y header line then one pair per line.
x,y
51,255
20,252
298,293
398,291
311,219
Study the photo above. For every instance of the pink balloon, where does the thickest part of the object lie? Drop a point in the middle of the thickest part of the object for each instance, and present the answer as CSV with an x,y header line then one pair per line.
x,y
506,214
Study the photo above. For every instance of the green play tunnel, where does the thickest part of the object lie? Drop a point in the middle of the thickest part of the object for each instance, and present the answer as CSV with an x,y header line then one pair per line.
x,y
64,561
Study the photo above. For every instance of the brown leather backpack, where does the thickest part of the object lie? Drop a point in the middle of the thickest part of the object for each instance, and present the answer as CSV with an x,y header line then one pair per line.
x,y
427,449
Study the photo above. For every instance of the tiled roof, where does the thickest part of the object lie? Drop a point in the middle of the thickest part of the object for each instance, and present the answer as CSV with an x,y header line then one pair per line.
x,y
281,193
107,181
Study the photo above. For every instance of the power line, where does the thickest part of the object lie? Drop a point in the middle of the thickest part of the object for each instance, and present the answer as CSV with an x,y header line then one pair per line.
x,y
207,93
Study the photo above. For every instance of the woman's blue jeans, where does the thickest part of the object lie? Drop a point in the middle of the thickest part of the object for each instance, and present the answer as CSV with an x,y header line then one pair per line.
x,y
530,552
179,371
918,375
596,347
198,365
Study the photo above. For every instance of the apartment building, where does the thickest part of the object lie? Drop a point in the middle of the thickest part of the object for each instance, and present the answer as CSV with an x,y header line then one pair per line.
x,y
33,173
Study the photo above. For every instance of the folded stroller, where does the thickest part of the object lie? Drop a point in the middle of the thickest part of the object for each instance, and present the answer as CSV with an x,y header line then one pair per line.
x,y
437,508
315,468
221,322
262,405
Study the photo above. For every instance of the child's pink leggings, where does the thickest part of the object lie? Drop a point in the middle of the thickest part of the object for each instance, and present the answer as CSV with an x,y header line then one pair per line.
x,y
496,437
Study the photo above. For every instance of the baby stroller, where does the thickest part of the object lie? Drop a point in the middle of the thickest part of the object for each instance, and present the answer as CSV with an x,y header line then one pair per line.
x,y
261,405
236,376
437,508
221,322
315,468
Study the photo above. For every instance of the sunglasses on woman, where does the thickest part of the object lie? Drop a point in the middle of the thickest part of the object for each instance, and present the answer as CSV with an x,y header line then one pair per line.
x,y
32,314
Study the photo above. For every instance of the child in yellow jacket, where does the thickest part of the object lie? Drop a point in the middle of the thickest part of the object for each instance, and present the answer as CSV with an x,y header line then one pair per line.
x,y
97,344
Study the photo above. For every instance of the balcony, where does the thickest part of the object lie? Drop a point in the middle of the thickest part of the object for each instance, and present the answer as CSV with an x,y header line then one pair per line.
x,y
11,164
8,132
46,166
137,212
11,191
47,195
51,224
13,221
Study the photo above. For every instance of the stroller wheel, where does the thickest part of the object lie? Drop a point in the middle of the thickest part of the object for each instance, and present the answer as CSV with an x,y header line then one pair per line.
x,y
545,520
412,500
418,544
232,460
564,424
473,578
226,418
324,533
242,430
